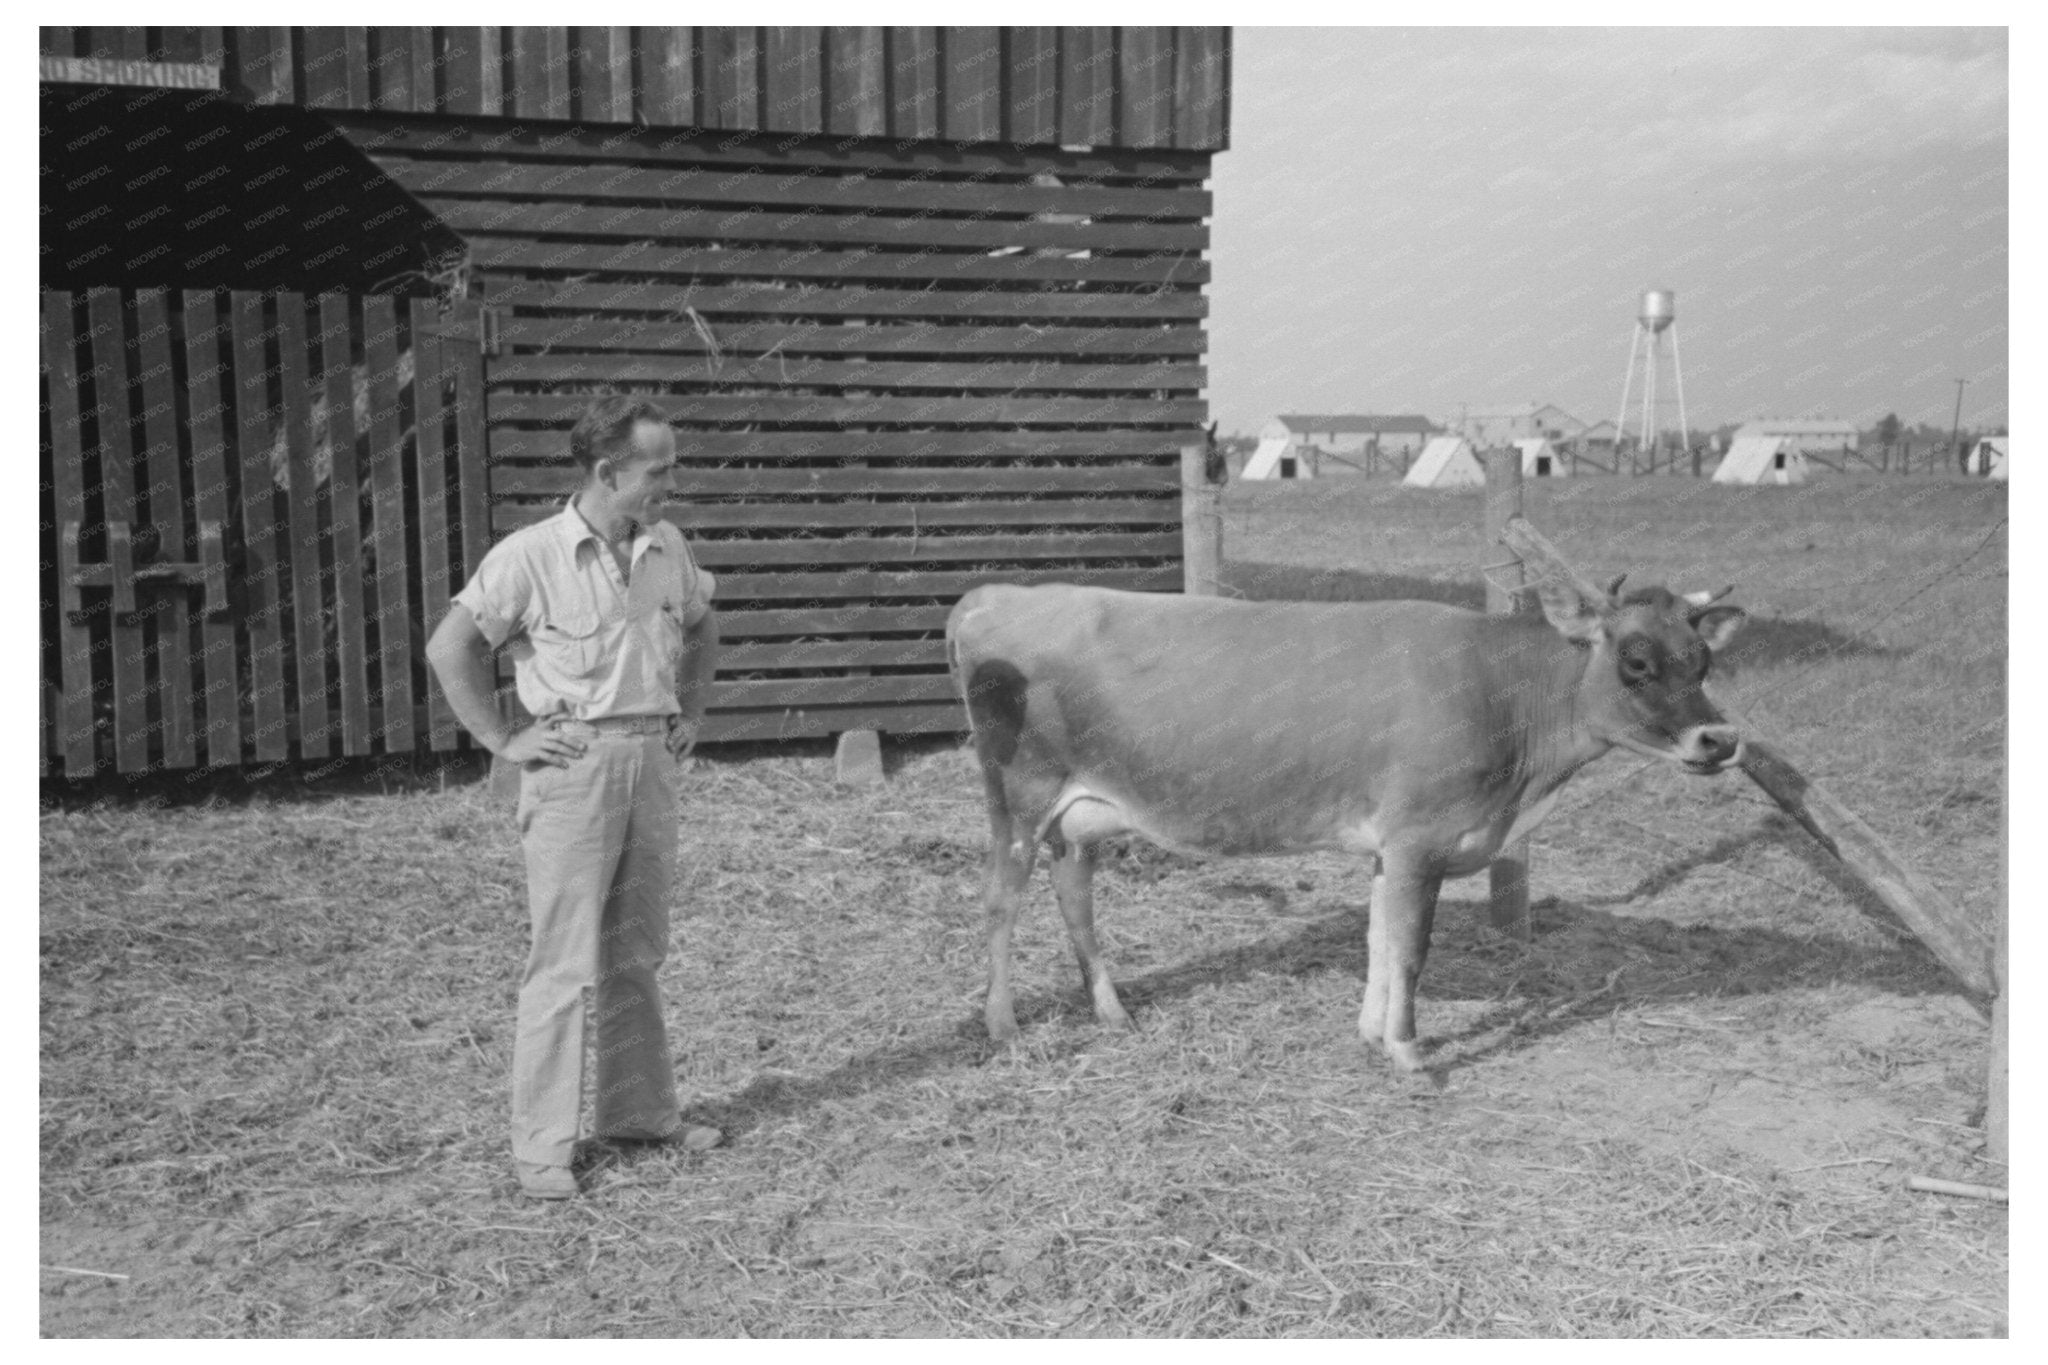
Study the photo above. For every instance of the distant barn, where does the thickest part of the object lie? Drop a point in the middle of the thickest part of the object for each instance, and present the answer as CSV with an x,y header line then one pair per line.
x,y
926,305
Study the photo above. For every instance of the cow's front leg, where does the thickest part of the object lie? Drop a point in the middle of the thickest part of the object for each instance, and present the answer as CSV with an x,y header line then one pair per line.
x,y
1073,879
1397,942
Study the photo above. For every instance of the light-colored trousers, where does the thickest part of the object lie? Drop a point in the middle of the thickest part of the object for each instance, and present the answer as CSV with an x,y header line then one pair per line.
x,y
591,1056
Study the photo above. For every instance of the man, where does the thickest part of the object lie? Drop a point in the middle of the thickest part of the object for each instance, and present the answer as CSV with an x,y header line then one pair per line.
x,y
613,642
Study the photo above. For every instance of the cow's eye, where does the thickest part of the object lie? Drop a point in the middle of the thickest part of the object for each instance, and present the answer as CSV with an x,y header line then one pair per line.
x,y
1636,668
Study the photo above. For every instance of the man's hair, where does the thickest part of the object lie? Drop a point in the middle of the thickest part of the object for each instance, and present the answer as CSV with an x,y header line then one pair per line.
x,y
605,429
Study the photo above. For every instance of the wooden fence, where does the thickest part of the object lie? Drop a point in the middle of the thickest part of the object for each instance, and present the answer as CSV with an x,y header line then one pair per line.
x,y
253,508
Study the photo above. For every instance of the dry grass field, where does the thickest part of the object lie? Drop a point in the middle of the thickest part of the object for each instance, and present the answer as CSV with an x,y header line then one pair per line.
x,y
275,1025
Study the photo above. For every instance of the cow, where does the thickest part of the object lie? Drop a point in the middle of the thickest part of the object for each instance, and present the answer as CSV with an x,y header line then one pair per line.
x,y
1420,735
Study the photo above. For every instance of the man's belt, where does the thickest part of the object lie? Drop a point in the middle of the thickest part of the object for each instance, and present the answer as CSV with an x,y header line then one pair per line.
x,y
614,725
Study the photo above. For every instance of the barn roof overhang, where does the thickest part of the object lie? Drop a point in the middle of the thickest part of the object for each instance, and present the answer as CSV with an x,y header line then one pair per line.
x,y
192,189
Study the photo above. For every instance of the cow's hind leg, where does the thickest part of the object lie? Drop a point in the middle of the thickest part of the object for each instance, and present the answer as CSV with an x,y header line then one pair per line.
x,y
1073,878
1403,910
1011,851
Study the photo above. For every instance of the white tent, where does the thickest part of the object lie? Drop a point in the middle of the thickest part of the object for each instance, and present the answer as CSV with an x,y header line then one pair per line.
x,y
1278,457
1446,462
1762,459
1542,459
1989,457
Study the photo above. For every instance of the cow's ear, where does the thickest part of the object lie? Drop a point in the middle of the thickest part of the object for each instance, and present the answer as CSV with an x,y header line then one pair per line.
x,y
1571,613
1718,625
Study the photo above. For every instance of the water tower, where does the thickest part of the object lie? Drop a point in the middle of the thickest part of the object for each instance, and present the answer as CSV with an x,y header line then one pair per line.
x,y
1658,315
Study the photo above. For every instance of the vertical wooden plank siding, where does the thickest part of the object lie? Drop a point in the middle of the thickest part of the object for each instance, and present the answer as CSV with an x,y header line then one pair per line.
x,y
1145,87
475,78
854,98
667,75
431,488
913,82
794,82
425,82
1088,86
180,45
971,77
732,91
345,520
203,369
391,70
355,67
260,62
117,490
255,419
325,65
395,644
1033,63
540,65
1201,85
465,359
1139,86
163,507
57,40
67,472
604,75
308,632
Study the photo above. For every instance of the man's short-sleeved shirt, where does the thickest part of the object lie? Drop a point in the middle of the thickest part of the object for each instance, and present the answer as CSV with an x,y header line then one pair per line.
x,y
586,643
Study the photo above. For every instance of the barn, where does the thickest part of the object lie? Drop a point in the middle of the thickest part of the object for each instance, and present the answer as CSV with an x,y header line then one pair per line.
x,y
1486,428
925,305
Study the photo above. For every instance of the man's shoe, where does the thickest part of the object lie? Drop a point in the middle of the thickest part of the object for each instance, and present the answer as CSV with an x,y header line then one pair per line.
x,y
546,1182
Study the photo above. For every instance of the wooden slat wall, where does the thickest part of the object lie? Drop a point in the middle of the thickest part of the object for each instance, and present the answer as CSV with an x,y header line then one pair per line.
x,y
320,434
896,372
1106,87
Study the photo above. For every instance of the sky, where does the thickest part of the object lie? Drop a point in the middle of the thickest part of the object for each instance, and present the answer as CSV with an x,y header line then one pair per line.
x,y
1429,220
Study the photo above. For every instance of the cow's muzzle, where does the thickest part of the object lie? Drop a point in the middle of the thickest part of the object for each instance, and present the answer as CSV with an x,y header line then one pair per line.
x,y
1708,749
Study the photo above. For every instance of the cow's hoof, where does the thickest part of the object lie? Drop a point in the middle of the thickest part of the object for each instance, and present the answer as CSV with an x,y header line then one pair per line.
x,y
1002,1033
1406,1056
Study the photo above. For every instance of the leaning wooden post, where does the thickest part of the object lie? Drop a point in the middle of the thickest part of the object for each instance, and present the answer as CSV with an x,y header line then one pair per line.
x,y
1995,1089
1836,828
1508,874
1201,524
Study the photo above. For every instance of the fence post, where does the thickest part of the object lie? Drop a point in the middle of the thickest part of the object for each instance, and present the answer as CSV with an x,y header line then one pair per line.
x,y
1508,875
1201,524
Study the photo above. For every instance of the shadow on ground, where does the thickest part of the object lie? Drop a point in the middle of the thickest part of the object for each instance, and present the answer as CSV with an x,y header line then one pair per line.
x,y
1582,962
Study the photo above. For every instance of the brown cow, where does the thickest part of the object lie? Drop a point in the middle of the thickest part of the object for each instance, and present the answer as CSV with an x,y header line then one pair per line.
x,y
1422,735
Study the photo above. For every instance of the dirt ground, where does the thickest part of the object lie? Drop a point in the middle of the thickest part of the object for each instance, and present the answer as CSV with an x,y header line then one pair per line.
x,y
276,1028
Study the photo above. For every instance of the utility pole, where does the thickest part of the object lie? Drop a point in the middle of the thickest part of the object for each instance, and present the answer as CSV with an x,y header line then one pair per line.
x,y
1956,428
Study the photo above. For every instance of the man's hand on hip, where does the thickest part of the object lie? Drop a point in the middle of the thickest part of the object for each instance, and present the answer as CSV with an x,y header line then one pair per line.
x,y
682,737
541,743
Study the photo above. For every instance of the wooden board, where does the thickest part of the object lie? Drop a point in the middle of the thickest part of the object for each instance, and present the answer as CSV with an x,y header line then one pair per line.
x,y
962,447
1105,411
854,585
76,695
469,139
855,227
431,487
344,520
919,83
264,566
593,184
894,267
309,653
169,609
117,460
802,722
396,647
813,372
694,485
882,339
205,368
963,307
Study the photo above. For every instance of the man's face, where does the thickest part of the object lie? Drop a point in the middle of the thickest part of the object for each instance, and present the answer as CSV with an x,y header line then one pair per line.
x,y
643,474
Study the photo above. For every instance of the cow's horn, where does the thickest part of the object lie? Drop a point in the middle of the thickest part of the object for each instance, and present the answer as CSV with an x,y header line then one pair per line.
x,y
1614,588
1704,599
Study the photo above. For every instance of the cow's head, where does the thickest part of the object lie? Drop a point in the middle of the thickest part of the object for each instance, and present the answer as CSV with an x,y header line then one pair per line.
x,y
1645,684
